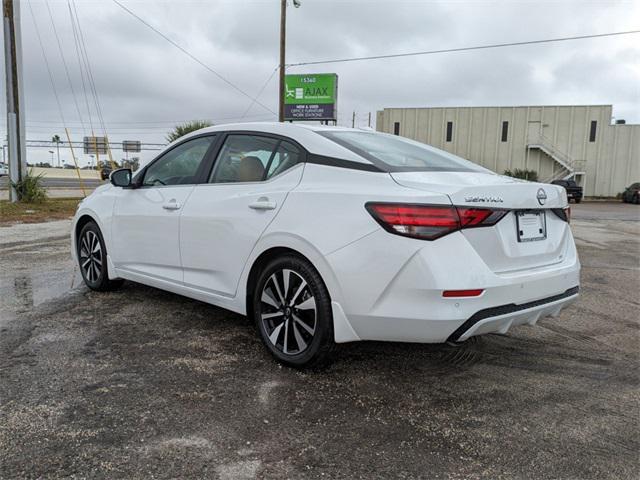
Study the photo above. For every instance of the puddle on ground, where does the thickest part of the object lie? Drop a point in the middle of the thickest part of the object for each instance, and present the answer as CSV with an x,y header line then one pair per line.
x,y
26,285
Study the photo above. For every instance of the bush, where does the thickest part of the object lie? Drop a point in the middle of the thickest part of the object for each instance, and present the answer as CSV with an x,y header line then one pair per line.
x,y
530,175
30,188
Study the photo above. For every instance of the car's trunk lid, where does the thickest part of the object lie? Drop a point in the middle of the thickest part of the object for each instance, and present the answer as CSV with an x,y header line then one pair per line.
x,y
500,246
484,189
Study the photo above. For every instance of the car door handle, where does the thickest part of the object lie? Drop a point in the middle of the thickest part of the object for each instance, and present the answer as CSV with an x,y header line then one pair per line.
x,y
171,205
263,204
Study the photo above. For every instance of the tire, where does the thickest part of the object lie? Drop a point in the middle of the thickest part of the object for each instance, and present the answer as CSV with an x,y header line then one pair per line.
x,y
92,259
299,330
578,200
635,199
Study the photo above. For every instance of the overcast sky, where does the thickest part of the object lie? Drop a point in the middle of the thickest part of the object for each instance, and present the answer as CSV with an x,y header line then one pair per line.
x,y
146,85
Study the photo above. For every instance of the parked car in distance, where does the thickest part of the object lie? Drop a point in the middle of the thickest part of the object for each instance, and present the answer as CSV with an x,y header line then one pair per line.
x,y
325,235
4,170
631,194
105,172
574,191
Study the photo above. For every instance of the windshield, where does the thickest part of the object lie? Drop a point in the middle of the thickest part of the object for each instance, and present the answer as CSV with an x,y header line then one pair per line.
x,y
396,154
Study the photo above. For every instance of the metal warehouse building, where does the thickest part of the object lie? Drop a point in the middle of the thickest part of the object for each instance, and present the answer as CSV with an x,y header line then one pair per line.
x,y
556,141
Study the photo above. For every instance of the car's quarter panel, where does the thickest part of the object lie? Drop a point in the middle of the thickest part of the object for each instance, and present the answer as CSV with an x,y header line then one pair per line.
x,y
145,231
221,224
328,207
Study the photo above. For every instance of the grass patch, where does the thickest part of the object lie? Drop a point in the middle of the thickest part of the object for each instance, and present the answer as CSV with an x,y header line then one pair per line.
x,y
50,209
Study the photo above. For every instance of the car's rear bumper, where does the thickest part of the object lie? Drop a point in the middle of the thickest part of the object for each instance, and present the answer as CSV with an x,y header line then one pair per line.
x,y
500,319
390,294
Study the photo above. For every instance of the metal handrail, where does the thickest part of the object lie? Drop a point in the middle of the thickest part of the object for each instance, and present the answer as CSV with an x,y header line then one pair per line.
x,y
568,162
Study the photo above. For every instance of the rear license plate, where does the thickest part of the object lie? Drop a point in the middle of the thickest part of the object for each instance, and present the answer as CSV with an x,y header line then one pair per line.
x,y
531,225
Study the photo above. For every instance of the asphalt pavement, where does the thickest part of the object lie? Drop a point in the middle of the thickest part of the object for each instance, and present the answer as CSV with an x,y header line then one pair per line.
x,y
140,383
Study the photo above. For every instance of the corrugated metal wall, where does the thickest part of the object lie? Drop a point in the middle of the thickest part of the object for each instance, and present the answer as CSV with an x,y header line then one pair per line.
x,y
610,163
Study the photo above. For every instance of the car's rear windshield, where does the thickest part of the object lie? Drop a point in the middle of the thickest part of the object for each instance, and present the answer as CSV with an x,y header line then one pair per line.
x,y
396,154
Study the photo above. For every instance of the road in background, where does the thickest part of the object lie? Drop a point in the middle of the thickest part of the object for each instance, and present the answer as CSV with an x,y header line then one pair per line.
x,y
50,182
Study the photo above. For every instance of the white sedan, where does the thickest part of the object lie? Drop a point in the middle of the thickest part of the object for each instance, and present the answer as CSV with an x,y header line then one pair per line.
x,y
325,235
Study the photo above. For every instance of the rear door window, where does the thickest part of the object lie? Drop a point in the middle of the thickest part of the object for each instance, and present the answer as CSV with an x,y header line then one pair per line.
x,y
287,156
243,158
253,158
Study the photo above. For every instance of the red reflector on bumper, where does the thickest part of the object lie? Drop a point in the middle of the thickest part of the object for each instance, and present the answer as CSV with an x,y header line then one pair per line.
x,y
462,293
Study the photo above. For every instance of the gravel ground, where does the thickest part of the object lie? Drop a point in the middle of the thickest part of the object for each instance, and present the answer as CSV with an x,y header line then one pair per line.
x,y
141,383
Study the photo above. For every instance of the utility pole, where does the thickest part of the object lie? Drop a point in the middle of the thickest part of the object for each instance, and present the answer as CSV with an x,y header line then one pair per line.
x,y
369,124
283,37
283,44
353,120
15,96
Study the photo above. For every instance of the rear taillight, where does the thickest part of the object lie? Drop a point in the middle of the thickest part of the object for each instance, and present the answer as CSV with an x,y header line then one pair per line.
x,y
429,222
563,213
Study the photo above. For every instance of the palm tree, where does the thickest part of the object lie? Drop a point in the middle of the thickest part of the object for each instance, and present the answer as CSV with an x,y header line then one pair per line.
x,y
187,127
56,139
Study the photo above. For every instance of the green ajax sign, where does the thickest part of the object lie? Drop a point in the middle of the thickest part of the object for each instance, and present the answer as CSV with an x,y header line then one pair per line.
x,y
311,96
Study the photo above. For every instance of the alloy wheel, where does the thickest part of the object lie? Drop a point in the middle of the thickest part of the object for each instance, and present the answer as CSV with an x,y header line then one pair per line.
x,y
288,312
91,256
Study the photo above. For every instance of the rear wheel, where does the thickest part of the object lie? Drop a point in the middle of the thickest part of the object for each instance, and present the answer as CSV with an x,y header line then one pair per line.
x,y
292,311
578,200
92,259
635,199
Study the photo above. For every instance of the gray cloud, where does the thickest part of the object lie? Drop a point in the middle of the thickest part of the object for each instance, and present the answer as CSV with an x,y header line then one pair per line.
x,y
142,78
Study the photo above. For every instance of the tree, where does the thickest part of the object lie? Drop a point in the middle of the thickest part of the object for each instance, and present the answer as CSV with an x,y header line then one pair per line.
x,y
530,175
187,127
56,139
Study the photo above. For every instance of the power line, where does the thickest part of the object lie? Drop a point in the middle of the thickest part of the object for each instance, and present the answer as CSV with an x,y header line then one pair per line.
x,y
64,63
89,72
76,43
193,57
46,62
264,85
156,122
462,49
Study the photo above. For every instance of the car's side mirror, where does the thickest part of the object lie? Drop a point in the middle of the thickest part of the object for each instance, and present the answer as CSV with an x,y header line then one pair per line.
x,y
121,177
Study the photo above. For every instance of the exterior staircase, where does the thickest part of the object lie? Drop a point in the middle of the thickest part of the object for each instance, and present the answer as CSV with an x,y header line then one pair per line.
x,y
571,167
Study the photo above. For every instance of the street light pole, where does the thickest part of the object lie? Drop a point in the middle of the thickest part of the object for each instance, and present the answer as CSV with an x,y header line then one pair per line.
x,y
283,36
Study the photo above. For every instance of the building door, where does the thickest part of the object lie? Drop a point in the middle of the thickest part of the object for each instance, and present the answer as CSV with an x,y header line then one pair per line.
x,y
534,130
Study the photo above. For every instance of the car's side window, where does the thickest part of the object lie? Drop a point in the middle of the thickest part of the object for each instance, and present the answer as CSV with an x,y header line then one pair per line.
x,y
286,157
243,158
180,165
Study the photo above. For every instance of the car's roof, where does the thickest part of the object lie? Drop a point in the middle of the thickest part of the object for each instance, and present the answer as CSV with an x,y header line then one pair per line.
x,y
284,127
305,135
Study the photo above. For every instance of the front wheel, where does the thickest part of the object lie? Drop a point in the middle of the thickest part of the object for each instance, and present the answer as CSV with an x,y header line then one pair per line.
x,y
292,311
92,259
